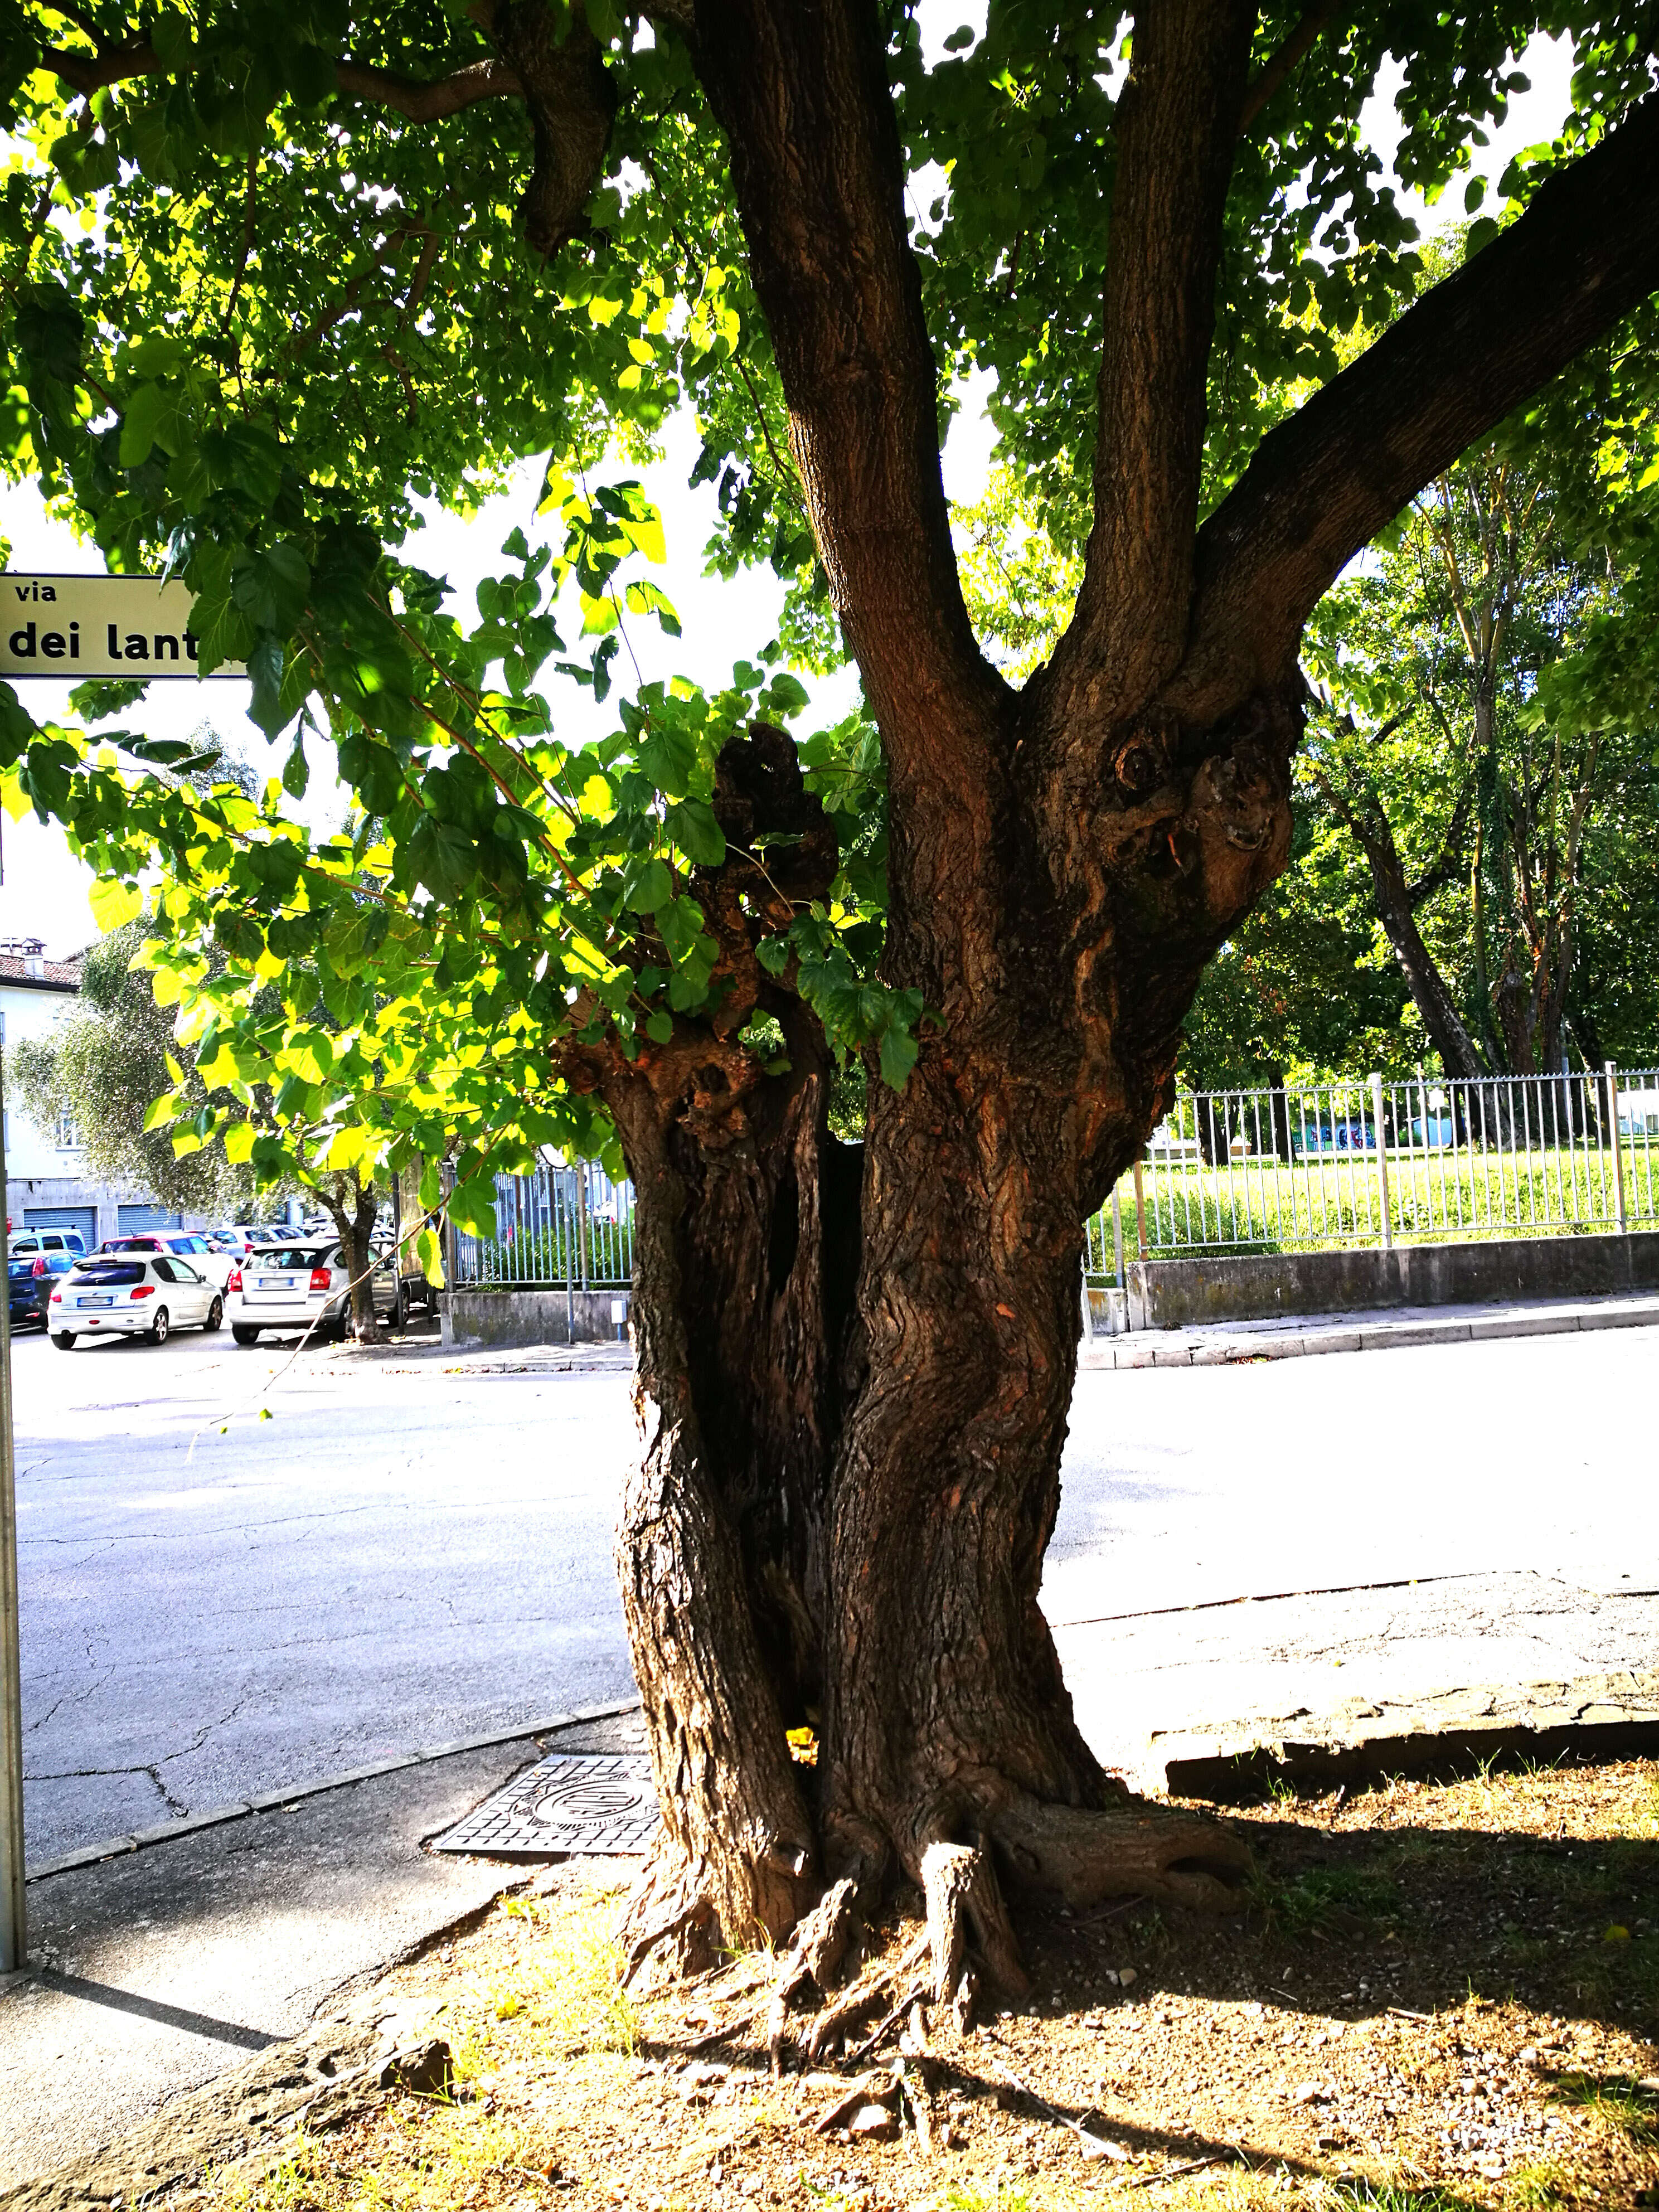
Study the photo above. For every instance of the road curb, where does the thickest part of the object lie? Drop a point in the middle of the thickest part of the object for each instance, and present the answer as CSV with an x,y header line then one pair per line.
x,y
268,1801
1452,1732
1194,1348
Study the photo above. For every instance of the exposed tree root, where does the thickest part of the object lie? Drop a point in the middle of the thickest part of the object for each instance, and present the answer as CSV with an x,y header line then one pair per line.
x,y
853,2008
960,1884
668,1923
1129,1848
1139,1848
820,1945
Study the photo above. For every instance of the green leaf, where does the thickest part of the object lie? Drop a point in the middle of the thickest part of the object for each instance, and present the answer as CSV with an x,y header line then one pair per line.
x,y
472,1205
114,904
692,826
898,1057
141,422
295,773
652,887
270,587
428,1250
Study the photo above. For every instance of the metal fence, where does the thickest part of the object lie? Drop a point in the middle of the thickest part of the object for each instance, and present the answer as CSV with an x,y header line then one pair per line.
x,y
565,1227
1377,1163
1299,1169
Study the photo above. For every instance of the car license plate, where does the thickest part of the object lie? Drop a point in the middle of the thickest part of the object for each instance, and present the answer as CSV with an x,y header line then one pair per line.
x,y
279,1283
94,1302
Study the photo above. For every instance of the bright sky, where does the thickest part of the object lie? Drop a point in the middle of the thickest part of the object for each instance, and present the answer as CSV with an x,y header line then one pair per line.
x,y
44,890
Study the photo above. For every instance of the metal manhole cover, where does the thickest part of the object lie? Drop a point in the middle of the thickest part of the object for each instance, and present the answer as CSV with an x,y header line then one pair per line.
x,y
567,1802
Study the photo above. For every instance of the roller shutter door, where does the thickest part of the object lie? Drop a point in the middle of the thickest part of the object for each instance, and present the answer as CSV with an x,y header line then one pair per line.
x,y
134,1219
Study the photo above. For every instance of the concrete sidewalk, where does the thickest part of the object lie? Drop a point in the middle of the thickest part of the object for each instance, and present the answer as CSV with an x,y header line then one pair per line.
x,y
1221,1344
156,1970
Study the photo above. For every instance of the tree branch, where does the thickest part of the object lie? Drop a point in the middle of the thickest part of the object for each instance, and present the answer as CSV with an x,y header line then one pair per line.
x,y
1323,483
249,213
1448,863
1279,64
802,94
418,99
1176,132
563,84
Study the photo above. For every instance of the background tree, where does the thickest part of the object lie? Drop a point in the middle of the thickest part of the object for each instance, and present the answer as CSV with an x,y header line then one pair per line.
x,y
344,261
104,1064
1450,753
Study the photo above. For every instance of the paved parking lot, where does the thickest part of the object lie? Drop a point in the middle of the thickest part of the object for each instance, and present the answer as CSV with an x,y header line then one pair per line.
x,y
215,1604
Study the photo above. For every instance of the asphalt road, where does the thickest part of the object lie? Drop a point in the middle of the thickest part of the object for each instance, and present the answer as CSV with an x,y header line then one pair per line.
x,y
214,1604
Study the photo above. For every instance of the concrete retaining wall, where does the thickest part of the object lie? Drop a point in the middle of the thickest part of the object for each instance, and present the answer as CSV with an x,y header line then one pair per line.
x,y
510,1318
1187,1293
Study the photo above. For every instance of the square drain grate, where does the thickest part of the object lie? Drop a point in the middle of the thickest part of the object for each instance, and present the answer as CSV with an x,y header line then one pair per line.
x,y
567,1802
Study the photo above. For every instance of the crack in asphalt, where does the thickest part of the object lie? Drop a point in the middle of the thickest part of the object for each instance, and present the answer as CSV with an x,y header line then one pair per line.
x,y
151,1768
197,1535
71,1697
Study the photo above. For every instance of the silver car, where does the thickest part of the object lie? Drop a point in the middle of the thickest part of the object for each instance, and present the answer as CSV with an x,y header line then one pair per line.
x,y
291,1287
131,1294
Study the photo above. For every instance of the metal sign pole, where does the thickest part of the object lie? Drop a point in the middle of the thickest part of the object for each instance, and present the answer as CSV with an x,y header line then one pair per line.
x,y
14,1927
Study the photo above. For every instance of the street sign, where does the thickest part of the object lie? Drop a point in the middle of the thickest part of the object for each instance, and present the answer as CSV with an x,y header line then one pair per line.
x,y
69,628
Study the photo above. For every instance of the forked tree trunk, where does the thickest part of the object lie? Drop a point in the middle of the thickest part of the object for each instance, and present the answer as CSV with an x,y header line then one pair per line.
x,y
853,1402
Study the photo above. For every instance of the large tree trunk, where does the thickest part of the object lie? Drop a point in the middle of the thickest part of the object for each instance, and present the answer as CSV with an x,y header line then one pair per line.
x,y
843,1506
844,1499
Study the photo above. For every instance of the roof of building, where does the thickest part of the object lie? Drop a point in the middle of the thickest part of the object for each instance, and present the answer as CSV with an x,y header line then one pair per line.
x,y
23,962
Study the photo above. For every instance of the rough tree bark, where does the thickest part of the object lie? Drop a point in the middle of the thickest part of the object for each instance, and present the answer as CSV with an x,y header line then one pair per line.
x,y
353,1208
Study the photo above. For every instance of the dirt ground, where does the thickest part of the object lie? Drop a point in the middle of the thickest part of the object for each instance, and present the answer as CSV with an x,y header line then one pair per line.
x,y
1438,1996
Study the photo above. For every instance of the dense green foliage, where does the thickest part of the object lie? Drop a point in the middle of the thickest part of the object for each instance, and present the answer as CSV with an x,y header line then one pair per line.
x,y
253,321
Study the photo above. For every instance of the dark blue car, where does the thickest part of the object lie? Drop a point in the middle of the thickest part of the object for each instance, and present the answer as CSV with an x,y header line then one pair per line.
x,y
34,1257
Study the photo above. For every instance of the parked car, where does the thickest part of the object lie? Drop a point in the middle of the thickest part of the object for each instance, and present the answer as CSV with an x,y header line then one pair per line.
x,y
290,1286
204,1255
132,1294
245,1237
34,1259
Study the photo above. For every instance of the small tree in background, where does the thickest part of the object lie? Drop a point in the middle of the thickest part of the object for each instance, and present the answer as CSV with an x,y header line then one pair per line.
x,y
104,1064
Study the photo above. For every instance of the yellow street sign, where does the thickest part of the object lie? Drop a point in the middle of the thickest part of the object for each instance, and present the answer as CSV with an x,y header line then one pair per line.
x,y
70,627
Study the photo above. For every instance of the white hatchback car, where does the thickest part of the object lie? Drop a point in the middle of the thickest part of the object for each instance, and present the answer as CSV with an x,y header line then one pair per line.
x,y
131,1294
290,1286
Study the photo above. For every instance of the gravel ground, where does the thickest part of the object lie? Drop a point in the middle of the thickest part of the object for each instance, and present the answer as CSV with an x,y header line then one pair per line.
x,y
1436,1997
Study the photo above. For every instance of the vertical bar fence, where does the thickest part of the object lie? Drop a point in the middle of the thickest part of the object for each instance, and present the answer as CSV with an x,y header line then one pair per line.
x,y
1376,1161
1385,1161
567,1227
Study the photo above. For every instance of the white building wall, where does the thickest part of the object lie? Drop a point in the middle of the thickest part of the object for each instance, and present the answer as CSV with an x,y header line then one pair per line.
x,y
30,1151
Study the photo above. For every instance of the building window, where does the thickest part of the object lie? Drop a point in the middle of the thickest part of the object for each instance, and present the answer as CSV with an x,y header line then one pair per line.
x,y
69,1136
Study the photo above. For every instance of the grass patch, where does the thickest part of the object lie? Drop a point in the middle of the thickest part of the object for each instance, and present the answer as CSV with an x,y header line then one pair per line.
x,y
1536,2188
1620,2102
1320,1900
